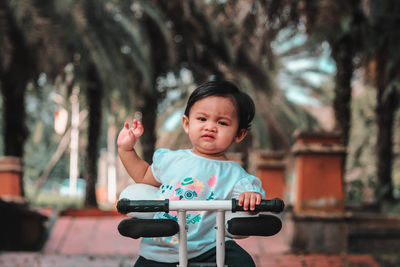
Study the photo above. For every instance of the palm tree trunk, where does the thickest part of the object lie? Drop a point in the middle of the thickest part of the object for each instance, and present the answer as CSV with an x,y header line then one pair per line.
x,y
14,79
343,55
386,106
94,95
149,113
385,39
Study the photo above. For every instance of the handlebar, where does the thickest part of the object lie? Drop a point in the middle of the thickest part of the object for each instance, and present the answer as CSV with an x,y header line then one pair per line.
x,y
125,206
275,205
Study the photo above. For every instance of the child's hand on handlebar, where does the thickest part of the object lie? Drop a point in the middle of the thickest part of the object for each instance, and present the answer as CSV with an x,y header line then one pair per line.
x,y
249,200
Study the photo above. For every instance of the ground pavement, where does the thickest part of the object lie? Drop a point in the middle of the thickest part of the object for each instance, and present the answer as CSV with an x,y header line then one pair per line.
x,y
95,241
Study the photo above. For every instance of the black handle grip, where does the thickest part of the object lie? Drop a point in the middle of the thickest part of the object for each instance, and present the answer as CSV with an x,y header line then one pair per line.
x,y
125,205
275,205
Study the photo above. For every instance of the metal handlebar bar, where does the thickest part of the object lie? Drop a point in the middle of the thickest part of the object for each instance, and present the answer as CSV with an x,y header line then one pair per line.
x,y
276,205
125,206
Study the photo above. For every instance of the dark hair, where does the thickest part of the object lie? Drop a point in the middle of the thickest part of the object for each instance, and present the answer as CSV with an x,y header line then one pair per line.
x,y
242,101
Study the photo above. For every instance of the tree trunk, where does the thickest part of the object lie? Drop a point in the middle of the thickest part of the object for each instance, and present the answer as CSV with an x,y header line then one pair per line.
x,y
94,95
14,79
386,107
149,117
385,119
385,37
343,54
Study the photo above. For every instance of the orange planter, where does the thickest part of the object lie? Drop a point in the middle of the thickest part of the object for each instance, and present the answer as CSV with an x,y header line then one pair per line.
x,y
270,168
318,172
10,176
102,193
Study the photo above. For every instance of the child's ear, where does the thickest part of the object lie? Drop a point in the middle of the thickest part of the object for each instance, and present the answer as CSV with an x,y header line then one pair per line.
x,y
185,123
241,135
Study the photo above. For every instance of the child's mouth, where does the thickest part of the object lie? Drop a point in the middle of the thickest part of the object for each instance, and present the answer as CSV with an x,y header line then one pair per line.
x,y
208,137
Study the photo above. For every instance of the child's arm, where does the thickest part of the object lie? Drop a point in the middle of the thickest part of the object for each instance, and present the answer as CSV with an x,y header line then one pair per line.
x,y
138,169
249,200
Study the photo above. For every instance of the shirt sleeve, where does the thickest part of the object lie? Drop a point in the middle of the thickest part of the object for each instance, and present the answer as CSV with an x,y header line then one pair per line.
x,y
159,163
248,184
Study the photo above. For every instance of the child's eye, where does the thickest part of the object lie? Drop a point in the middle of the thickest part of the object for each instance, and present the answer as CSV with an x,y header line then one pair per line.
x,y
201,119
223,123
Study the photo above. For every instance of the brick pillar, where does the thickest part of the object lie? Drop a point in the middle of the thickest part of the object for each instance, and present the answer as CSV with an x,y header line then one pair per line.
x,y
269,166
318,172
10,177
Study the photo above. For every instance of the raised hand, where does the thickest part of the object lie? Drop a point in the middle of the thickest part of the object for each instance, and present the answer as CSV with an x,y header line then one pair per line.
x,y
128,137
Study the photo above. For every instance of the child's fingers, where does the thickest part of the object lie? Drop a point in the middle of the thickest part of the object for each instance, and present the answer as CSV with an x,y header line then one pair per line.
x,y
138,130
253,201
246,202
126,125
134,124
258,199
249,200
241,197
140,127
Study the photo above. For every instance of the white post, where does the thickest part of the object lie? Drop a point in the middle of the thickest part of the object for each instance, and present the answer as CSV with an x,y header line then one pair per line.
x,y
220,238
111,168
112,184
183,259
74,145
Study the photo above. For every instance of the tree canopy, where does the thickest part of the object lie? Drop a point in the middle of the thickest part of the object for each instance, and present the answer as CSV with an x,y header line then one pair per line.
x,y
120,52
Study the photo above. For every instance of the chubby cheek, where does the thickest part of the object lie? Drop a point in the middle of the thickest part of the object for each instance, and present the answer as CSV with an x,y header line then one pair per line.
x,y
194,130
194,133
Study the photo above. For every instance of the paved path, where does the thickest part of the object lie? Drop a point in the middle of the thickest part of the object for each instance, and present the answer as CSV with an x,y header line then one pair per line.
x,y
95,241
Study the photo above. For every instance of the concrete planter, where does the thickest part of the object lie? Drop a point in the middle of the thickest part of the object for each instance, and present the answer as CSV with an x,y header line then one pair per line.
x,y
327,232
317,232
373,232
318,175
270,167
10,177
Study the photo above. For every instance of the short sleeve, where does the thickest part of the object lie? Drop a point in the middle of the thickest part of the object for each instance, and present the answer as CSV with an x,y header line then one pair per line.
x,y
248,184
159,163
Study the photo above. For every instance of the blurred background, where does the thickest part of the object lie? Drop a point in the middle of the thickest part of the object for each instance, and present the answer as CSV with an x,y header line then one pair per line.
x,y
72,72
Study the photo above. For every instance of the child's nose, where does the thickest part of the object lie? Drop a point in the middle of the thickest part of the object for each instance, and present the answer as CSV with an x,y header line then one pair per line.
x,y
211,127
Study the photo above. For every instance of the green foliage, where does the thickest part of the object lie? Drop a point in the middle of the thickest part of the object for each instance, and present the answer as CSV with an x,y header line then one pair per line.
x,y
49,196
42,140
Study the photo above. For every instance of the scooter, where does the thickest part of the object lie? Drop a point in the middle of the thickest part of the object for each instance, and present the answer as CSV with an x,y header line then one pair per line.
x,y
262,225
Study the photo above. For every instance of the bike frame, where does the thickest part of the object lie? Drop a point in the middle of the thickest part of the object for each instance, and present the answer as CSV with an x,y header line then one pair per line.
x,y
182,207
220,207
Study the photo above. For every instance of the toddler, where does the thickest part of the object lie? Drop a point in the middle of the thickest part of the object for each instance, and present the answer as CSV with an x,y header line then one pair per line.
x,y
217,114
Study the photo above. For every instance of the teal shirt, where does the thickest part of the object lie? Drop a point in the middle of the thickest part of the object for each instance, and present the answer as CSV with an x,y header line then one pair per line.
x,y
186,176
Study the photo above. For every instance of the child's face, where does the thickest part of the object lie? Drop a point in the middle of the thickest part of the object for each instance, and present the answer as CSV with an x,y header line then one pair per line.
x,y
212,126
